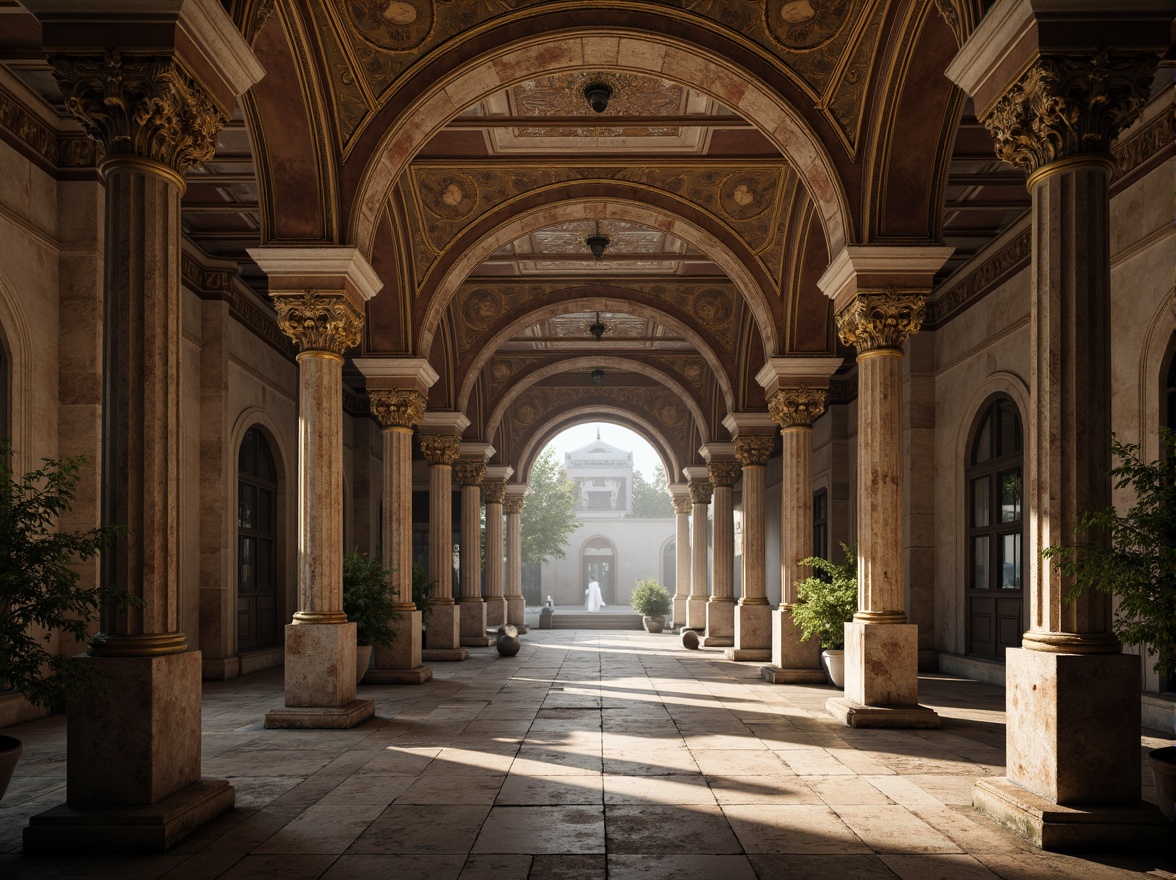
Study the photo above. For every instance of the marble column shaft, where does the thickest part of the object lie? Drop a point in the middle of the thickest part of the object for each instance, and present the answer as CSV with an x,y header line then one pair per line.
x,y
441,622
700,495
753,634
516,605
472,608
495,494
682,557
720,610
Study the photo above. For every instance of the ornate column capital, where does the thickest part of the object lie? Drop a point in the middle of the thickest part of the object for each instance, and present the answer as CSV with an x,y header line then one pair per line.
x,y
682,504
470,473
513,504
700,491
440,448
319,320
872,321
797,407
754,449
396,407
723,473
494,491
145,106
1066,106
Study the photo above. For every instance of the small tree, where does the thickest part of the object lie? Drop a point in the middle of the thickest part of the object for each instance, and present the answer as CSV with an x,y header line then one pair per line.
x,y
1136,560
422,587
368,599
549,515
824,605
651,599
39,583
651,499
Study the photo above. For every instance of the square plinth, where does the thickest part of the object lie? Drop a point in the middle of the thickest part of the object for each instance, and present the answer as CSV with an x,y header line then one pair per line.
x,y
442,628
789,650
445,655
882,664
1134,827
405,650
748,655
319,661
854,714
696,613
753,630
416,675
720,624
472,613
776,675
495,612
321,718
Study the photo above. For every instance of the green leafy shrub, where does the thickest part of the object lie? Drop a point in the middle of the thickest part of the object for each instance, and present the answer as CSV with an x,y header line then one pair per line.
x,y
368,599
824,605
422,587
650,599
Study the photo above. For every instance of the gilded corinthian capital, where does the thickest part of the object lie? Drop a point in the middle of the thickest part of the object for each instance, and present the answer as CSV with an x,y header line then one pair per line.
x,y
513,504
682,504
881,320
796,407
723,473
319,320
700,492
470,473
440,448
494,491
1067,106
754,449
396,407
144,106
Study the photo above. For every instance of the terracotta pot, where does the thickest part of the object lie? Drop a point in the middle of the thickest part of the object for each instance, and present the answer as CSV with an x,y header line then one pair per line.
x,y
10,749
654,624
834,662
1163,764
363,659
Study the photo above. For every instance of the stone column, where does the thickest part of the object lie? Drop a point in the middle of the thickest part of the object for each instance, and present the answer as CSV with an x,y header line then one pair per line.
x,y
720,610
700,496
680,497
155,109
396,390
516,605
471,606
753,630
494,493
1073,697
319,294
442,624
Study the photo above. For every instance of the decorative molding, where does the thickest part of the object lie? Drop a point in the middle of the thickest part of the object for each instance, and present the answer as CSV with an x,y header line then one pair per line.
x,y
440,449
355,403
797,407
682,504
513,504
494,491
723,473
144,106
52,149
874,321
223,284
1065,106
396,407
1139,147
319,320
700,491
754,449
843,390
984,277
469,473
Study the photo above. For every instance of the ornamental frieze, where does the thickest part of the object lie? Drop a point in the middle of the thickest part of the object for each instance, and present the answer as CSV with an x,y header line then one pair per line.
x,y
754,449
1066,106
440,449
880,320
144,106
397,407
320,320
797,407
55,149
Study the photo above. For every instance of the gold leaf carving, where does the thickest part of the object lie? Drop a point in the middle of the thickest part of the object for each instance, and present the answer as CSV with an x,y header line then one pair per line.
x,y
797,406
397,407
494,491
320,320
470,473
723,473
754,449
880,320
440,449
700,491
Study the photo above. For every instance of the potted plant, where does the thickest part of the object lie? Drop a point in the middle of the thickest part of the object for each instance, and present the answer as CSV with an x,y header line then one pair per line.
x,y
370,603
825,602
422,593
40,593
651,600
1135,563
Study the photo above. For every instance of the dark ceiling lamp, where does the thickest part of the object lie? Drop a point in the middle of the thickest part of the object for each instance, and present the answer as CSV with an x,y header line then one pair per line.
x,y
597,93
597,242
598,375
597,329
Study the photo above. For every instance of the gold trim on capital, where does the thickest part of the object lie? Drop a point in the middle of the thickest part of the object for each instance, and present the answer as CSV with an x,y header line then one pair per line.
x,y
440,449
513,505
140,105
320,320
1105,163
319,617
700,491
396,407
797,407
494,491
470,473
682,504
881,320
1065,106
144,645
1071,643
754,450
141,165
723,473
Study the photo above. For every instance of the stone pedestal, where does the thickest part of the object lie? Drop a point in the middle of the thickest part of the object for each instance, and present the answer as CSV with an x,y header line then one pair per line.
x,y
793,660
443,633
881,678
320,684
753,630
753,633
720,623
516,605
473,624
401,662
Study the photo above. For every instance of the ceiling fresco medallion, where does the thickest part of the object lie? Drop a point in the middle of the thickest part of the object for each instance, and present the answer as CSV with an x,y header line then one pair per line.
x,y
395,25
447,194
748,194
805,24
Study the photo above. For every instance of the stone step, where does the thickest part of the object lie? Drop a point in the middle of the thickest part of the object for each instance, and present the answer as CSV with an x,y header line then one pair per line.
x,y
572,620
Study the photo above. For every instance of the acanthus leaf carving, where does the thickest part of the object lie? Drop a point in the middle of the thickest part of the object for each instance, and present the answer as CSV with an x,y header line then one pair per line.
x,y
797,407
397,407
470,473
700,491
723,473
682,504
494,491
320,320
754,449
874,321
513,504
440,449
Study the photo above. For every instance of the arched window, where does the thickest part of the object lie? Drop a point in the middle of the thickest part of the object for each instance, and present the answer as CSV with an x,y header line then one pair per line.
x,y
995,593
1170,393
669,566
257,544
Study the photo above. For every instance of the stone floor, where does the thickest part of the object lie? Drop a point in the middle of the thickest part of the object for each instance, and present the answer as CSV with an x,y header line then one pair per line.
x,y
589,755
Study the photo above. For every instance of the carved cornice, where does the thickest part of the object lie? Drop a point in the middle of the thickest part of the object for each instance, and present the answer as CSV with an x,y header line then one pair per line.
x,y
1066,106
843,390
144,106
494,491
797,407
682,504
700,491
880,320
1140,146
440,448
754,449
224,285
397,407
50,148
1007,261
470,473
320,320
513,504
723,473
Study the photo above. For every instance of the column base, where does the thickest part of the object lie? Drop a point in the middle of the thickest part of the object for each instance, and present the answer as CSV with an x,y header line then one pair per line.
x,y
320,658
402,656
445,655
1128,828
753,630
778,675
495,612
154,828
320,717
678,615
720,624
442,628
696,614
416,675
747,655
472,613
789,651
516,612
853,714
882,664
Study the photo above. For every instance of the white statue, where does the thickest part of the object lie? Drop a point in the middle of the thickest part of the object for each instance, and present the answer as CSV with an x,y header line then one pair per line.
x,y
594,601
